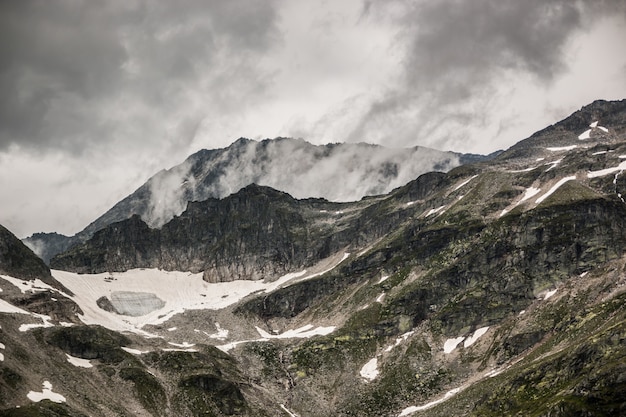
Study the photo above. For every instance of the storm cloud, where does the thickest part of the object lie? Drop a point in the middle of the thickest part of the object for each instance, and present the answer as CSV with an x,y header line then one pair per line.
x,y
77,73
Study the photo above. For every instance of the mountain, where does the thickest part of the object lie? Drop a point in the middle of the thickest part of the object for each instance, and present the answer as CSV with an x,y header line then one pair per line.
x,y
497,288
337,172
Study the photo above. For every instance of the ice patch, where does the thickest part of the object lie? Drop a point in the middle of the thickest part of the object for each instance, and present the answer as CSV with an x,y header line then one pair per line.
x,y
554,188
46,394
130,303
451,344
79,362
473,338
369,371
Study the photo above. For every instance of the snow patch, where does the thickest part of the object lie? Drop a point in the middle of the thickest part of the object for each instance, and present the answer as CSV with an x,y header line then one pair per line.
x,y
79,362
133,351
46,394
607,171
585,135
474,337
380,298
554,188
399,340
287,411
451,344
36,285
6,307
221,333
383,279
45,319
302,332
553,164
562,148
435,211
369,371
464,183
413,409
182,345
549,294
604,129
594,124
530,193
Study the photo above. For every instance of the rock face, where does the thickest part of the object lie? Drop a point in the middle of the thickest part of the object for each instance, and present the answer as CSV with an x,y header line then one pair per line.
x,y
337,172
19,261
253,234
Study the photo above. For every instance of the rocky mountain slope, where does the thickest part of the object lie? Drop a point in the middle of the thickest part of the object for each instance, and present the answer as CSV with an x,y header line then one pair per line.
x,y
291,165
497,288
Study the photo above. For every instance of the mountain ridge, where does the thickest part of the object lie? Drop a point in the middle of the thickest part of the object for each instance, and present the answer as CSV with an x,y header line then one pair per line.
x,y
291,165
494,289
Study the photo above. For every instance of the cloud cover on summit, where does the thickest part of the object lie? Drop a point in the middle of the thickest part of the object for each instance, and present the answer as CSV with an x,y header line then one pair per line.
x,y
98,96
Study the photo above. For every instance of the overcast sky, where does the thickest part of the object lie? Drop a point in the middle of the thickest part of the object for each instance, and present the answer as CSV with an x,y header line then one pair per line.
x,y
97,96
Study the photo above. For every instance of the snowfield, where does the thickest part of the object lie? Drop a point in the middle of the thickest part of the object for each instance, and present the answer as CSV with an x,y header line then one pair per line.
x,y
153,296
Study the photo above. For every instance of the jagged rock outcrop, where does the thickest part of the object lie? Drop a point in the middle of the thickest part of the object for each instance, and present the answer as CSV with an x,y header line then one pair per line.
x,y
291,165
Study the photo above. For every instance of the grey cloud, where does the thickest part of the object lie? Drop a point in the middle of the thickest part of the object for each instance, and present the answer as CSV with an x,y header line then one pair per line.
x,y
456,49
67,65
